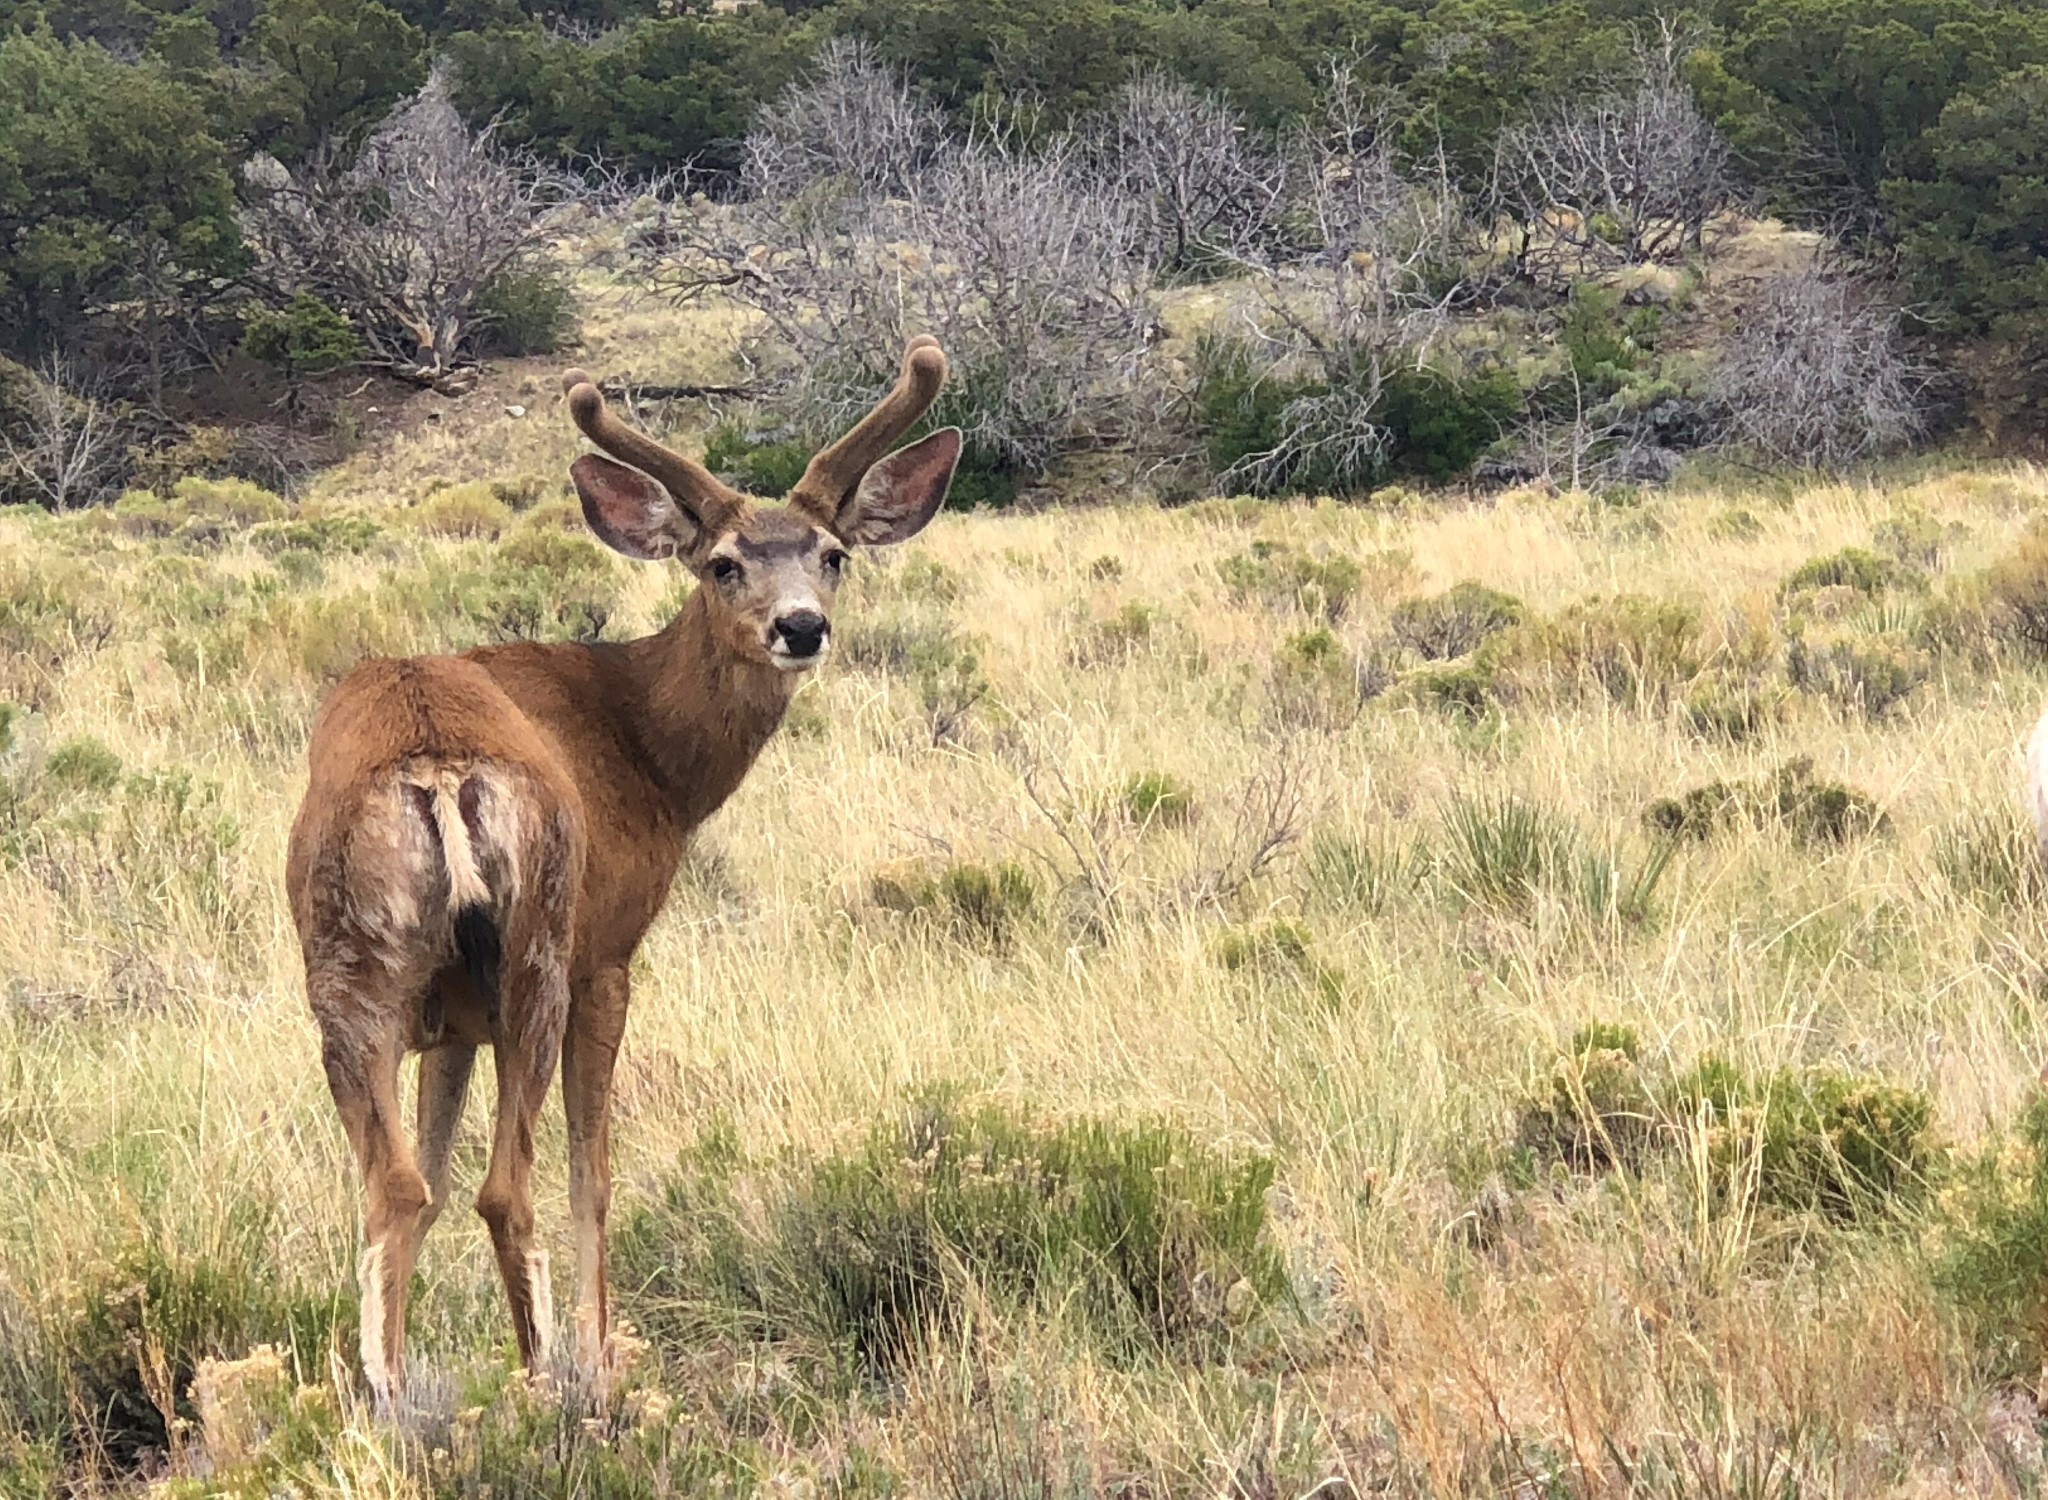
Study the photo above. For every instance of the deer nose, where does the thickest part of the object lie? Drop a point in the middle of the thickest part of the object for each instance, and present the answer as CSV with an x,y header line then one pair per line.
x,y
802,631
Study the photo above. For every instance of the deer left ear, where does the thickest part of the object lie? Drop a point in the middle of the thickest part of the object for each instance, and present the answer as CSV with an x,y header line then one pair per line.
x,y
899,495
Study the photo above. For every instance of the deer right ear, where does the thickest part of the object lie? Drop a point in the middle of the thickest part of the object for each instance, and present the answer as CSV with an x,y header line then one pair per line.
x,y
632,514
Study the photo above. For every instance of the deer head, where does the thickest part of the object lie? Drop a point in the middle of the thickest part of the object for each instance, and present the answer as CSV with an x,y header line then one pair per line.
x,y
769,573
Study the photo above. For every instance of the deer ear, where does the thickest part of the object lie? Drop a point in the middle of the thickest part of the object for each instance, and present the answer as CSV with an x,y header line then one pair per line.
x,y
631,513
899,495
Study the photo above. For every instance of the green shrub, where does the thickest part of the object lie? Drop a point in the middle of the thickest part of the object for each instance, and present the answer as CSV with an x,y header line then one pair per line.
x,y
1870,673
304,337
1314,682
84,764
1462,690
1636,649
133,1330
543,585
229,502
991,900
1282,950
1811,810
1502,850
526,310
1138,1234
1433,422
1815,1141
1854,568
319,537
1149,797
1598,1110
463,510
761,464
1438,423
1285,577
1733,706
1994,1260
1454,622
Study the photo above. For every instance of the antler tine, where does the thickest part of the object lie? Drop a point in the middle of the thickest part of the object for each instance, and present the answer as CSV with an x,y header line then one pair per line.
x,y
694,487
836,470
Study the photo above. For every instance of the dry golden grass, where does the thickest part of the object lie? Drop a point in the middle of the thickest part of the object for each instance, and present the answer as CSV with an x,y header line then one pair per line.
x,y
1461,1335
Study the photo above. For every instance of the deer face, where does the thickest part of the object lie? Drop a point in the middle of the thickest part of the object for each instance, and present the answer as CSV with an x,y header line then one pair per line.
x,y
769,573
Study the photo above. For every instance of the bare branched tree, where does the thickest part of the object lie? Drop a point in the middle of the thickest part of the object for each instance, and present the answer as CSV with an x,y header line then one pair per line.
x,y
1631,175
1028,274
408,238
1206,191
63,440
1361,286
1817,373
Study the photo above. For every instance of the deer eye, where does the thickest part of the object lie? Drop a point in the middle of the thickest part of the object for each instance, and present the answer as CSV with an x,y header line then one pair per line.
x,y
725,570
835,560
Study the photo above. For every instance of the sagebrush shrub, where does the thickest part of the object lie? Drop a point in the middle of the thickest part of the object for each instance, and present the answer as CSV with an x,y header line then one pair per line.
x,y
1811,810
1149,797
1143,1237
1450,624
1285,577
1637,650
1870,672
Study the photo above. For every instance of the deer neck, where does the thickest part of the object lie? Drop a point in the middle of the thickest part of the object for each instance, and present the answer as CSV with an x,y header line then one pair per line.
x,y
702,716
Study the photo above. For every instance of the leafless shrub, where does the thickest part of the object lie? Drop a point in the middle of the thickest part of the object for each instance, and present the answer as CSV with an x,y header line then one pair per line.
x,y
1205,191
1628,176
1028,275
1275,807
856,126
1817,375
63,440
1361,286
409,236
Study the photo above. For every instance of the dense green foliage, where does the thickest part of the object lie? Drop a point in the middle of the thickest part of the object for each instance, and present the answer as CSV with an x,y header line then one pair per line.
x,y
125,126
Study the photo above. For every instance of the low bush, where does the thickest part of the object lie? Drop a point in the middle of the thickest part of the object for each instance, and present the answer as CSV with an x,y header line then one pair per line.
x,y
1994,1260
1160,797
463,510
1732,705
1314,682
986,901
762,463
1853,568
1868,672
1454,622
1812,811
1138,1234
1813,1140
526,310
1637,650
1598,1111
1280,950
1284,577
118,1349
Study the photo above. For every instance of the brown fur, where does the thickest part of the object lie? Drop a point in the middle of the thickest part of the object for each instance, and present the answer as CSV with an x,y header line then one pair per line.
x,y
552,789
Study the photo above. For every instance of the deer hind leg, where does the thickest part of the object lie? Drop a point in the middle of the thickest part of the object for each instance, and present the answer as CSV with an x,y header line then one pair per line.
x,y
444,1088
590,1050
535,1006
362,1074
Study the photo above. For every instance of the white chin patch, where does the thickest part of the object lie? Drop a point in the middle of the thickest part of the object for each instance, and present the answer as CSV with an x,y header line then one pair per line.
x,y
780,655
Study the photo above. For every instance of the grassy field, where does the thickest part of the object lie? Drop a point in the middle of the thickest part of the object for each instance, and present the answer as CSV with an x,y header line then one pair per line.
x,y
1195,1003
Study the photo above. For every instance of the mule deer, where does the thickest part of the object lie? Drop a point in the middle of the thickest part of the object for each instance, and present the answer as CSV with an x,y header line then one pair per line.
x,y
486,838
